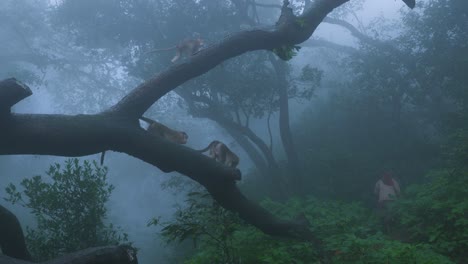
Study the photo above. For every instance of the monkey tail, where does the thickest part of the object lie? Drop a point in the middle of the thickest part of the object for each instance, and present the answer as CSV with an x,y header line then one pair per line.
x,y
208,147
103,154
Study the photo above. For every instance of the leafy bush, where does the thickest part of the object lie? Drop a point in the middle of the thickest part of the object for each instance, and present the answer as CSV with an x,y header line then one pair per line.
x,y
349,233
207,224
379,249
69,206
437,212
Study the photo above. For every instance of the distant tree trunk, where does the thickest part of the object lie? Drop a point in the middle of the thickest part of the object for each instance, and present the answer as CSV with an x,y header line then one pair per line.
x,y
213,114
276,185
251,151
285,130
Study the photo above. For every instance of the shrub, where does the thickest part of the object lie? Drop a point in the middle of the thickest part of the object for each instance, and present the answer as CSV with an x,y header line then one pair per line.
x,y
69,206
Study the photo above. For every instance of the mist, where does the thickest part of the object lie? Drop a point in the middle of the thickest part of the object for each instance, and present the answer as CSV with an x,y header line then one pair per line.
x,y
378,90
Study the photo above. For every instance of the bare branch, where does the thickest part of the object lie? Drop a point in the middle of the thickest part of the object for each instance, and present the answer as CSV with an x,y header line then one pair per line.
x,y
316,42
359,35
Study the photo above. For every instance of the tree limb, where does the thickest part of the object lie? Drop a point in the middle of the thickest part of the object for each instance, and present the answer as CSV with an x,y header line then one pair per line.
x,y
11,92
316,42
358,34
12,240
287,32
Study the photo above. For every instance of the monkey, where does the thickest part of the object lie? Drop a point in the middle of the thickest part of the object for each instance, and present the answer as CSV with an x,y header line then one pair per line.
x,y
187,47
221,153
160,130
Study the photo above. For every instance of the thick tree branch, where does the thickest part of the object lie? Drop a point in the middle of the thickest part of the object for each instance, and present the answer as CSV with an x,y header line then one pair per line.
x,y
11,92
290,30
89,134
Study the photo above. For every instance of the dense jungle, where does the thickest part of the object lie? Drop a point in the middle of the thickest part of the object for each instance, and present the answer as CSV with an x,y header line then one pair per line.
x,y
233,131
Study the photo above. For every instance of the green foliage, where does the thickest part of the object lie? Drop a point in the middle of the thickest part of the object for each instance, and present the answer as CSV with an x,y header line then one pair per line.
x,y
349,233
457,147
286,52
378,249
205,223
311,74
436,212
69,206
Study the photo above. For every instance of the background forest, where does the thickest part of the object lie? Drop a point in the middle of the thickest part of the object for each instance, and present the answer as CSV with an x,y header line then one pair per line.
x,y
379,87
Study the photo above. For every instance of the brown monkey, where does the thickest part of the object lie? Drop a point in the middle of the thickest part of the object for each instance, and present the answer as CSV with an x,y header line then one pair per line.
x,y
160,130
221,153
187,47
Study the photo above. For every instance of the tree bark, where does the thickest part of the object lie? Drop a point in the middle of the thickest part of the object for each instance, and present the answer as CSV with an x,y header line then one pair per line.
x,y
11,92
284,128
12,240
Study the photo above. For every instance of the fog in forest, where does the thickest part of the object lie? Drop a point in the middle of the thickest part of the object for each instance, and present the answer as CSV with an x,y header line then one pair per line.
x,y
355,136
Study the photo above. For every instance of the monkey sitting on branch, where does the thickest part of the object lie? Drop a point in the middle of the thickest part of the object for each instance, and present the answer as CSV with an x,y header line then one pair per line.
x,y
160,130
221,153
187,47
